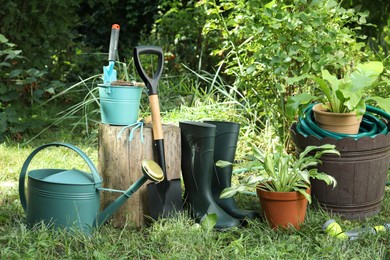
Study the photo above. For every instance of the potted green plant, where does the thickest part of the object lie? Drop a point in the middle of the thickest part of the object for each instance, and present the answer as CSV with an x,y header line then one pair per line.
x,y
282,182
342,100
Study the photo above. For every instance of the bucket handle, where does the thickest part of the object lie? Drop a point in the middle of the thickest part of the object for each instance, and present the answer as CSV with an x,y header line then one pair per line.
x,y
96,178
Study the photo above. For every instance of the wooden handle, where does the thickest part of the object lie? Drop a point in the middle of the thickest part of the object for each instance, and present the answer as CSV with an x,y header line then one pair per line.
x,y
156,119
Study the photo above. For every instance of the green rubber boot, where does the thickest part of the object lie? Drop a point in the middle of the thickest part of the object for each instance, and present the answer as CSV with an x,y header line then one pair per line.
x,y
197,142
226,139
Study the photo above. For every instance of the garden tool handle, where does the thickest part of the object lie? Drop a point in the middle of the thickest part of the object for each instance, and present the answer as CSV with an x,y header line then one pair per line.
x,y
151,83
113,42
156,118
22,176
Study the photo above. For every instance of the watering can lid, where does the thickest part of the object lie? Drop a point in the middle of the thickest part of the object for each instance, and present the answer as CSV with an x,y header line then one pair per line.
x,y
73,176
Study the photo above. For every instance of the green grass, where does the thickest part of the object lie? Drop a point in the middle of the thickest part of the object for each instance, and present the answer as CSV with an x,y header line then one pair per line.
x,y
179,237
176,238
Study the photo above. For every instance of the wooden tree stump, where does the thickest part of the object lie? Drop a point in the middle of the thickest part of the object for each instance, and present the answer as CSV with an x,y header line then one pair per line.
x,y
120,166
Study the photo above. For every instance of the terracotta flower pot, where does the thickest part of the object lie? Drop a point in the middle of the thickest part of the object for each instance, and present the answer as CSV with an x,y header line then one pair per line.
x,y
283,209
346,123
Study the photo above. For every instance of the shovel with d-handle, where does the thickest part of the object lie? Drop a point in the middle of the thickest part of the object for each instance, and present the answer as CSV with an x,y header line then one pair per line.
x,y
109,73
165,197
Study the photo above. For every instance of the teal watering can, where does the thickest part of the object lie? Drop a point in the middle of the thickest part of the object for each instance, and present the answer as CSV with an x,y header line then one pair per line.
x,y
71,198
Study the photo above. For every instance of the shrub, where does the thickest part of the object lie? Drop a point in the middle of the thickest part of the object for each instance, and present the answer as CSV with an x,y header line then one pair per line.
x,y
19,90
264,48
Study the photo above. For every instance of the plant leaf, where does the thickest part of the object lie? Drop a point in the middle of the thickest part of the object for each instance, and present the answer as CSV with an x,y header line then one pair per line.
x,y
328,90
209,221
222,164
269,165
229,192
308,149
383,103
325,177
296,104
304,193
363,76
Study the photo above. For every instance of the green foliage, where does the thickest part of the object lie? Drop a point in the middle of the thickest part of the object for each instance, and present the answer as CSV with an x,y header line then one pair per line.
x,y
342,95
135,18
278,171
167,238
178,29
42,29
263,45
70,38
19,89
377,20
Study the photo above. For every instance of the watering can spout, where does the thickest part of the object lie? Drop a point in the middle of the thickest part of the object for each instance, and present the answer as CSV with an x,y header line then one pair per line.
x,y
151,171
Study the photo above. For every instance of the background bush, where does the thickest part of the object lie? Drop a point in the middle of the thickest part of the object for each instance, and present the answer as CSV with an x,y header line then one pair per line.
x,y
258,48
265,48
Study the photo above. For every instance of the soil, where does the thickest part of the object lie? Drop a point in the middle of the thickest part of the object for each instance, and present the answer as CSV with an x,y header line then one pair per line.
x,y
127,83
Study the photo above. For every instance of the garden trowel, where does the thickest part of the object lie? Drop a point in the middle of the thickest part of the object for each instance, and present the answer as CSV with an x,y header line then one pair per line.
x,y
109,73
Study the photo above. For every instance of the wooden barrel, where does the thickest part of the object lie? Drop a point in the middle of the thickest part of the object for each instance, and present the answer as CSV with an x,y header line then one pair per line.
x,y
360,171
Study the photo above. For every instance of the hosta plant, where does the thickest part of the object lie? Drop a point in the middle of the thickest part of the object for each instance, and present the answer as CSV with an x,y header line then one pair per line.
x,y
281,172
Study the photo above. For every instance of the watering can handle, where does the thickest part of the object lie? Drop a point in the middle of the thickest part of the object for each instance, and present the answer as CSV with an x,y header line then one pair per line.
x,y
22,194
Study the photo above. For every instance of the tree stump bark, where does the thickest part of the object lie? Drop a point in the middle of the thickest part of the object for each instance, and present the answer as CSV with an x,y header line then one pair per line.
x,y
120,166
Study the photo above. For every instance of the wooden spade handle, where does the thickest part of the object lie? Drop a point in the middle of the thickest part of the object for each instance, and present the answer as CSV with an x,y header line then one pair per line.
x,y
156,119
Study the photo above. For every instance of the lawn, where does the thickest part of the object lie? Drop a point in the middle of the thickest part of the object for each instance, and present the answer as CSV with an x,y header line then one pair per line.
x,y
175,238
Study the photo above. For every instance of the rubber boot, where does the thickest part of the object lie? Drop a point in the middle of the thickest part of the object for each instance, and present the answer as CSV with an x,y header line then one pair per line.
x,y
197,142
226,139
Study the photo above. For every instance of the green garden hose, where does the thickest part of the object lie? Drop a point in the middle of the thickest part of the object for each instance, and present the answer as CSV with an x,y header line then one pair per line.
x,y
371,126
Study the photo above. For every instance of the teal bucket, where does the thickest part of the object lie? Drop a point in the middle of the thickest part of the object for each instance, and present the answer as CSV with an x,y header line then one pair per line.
x,y
119,105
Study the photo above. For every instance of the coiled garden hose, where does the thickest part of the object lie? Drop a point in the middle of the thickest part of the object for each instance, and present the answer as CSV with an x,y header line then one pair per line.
x,y
371,125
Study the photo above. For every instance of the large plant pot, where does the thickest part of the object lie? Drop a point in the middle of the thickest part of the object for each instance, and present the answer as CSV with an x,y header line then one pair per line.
x,y
360,171
283,209
345,123
119,105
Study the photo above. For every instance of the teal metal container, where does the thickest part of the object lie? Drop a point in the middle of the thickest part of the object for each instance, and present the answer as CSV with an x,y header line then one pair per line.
x,y
59,197
119,105
70,199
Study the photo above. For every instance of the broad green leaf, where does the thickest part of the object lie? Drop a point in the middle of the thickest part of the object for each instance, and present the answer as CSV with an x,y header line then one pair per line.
x,y
15,73
3,39
5,64
327,178
228,192
254,180
304,193
294,103
270,4
364,75
209,221
333,81
372,67
309,163
360,108
383,103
